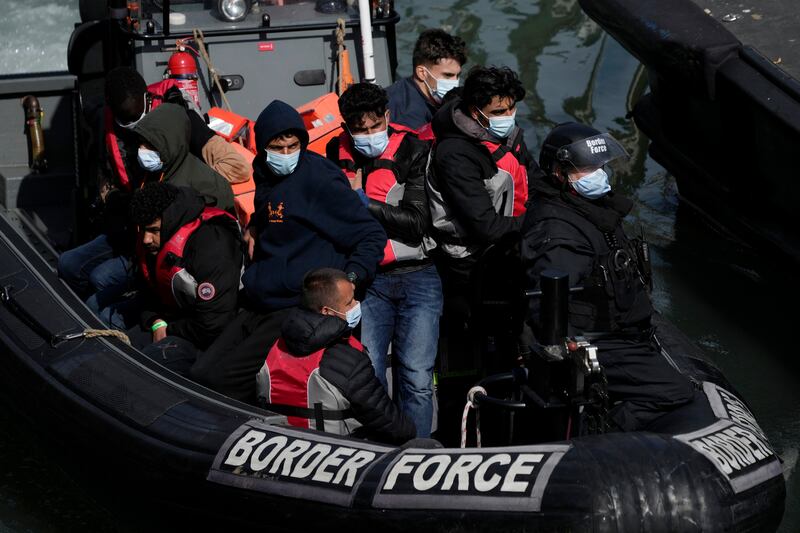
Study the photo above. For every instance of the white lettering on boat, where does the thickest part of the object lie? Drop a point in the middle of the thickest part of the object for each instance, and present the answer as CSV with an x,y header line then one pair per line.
x,y
506,473
285,457
735,448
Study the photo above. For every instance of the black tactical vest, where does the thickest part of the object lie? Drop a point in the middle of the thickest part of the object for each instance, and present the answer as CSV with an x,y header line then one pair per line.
x,y
616,294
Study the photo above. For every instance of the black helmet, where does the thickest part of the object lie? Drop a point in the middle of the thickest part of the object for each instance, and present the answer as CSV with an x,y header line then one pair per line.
x,y
578,146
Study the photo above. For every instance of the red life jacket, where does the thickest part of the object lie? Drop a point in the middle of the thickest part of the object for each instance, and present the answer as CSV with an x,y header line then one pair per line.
x,y
291,385
507,159
174,286
425,132
383,186
155,94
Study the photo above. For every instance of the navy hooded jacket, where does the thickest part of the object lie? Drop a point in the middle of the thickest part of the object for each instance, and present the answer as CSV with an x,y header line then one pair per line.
x,y
308,219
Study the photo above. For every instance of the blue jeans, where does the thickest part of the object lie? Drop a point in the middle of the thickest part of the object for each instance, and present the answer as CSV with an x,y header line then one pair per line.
x,y
404,309
96,274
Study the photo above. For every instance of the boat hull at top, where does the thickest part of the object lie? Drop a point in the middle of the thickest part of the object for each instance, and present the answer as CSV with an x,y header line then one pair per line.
x,y
724,120
179,443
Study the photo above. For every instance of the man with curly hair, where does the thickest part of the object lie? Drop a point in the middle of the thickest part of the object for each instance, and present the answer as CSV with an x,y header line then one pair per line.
x,y
477,188
437,61
190,262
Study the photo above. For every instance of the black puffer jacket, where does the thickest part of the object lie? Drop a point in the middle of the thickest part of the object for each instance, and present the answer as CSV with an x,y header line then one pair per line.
x,y
213,256
409,221
350,371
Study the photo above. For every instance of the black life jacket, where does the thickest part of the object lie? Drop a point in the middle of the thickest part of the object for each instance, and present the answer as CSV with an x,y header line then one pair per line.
x,y
616,294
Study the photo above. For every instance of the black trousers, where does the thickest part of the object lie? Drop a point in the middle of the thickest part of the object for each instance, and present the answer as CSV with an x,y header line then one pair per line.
x,y
230,364
642,383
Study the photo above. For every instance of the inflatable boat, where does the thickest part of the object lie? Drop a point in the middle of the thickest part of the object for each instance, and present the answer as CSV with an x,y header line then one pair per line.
x,y
113,410
201,451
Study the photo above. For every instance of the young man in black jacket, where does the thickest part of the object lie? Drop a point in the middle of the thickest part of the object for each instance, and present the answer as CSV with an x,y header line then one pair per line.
x,y
437,61
319,375
306,217
190,261
386,165
477,188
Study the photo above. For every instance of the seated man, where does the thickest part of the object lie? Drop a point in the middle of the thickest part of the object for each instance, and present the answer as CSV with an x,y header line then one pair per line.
x,y
574,225
99,270
437,61
306,217
164,155
190,260
386,165
321,372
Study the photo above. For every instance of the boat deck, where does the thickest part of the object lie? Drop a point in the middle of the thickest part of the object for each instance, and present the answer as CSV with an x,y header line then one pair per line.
x,y
770,26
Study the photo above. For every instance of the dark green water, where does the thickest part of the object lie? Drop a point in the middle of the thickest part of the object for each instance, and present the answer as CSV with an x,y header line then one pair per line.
x,y
738,306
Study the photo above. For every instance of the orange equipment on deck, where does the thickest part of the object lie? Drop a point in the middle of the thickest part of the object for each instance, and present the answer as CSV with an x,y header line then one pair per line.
x,y
322,120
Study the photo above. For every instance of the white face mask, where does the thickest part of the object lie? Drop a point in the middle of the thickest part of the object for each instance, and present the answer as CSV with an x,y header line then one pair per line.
x,y
130,125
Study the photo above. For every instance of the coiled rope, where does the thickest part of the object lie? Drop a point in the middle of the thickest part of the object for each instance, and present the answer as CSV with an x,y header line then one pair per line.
x,y
472,405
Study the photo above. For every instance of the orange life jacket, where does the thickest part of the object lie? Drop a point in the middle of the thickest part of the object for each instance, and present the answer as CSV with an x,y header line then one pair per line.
x,y
382,186
174,286
155,95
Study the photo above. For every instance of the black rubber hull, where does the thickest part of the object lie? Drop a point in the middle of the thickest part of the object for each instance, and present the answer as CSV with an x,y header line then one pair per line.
x,y
108,408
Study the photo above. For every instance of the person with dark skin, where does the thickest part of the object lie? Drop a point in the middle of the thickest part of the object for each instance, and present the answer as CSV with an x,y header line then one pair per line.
x,y
318,361
100,271
437,61
306,217
574,225
386,165
190,261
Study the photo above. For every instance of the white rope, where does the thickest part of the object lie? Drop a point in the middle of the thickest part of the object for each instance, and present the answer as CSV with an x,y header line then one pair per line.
x,y
472,405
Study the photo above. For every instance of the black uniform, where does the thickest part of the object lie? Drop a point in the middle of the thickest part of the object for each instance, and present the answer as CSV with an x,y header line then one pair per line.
x,y
584,239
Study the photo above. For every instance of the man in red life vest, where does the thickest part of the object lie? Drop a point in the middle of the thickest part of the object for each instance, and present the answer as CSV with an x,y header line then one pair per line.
x,y
386,165
190,261
100,271
320,376
477,189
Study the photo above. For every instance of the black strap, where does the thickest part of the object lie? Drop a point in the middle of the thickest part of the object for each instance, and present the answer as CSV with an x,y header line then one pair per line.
x,y
498,154
311,414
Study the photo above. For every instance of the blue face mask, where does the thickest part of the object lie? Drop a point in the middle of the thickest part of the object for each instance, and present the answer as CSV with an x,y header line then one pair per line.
x,y
149,160
371,145
352,316
500,127
592,186
443,86
282,164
